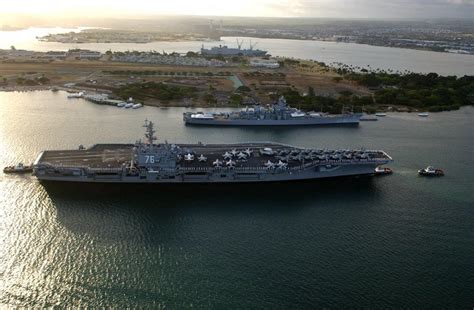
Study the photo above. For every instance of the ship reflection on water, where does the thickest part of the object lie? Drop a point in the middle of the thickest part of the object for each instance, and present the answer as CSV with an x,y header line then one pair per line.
x,y
119,212
96,208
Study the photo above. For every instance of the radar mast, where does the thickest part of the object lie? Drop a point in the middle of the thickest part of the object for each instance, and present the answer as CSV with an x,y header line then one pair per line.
x,y
150,132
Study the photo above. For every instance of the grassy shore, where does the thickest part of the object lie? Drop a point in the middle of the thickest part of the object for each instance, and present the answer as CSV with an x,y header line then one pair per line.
x,y
209,81
308,85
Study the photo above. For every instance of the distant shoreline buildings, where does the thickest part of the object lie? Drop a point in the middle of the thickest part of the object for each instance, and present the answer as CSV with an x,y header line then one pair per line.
x,y
174,59
75,54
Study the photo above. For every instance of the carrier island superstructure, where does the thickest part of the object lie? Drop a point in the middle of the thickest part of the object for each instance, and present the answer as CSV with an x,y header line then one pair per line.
x,y
150,162
279,114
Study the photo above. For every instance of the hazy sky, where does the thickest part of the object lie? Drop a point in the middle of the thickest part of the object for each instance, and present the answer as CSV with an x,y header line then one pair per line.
x,y
271,8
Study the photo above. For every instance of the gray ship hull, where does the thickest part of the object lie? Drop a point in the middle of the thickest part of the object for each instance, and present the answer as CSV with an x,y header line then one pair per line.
x,y
106,164
313,121
230,177
225,51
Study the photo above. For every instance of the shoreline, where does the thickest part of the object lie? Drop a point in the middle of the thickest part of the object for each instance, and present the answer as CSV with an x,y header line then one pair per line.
x,y
277,38
150,103
158,104
26,88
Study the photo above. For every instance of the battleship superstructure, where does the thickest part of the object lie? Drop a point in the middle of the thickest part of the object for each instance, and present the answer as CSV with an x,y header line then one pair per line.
x,y
150,162
279,114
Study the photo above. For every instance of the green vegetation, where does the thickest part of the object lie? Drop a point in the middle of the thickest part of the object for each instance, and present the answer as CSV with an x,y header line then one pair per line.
x,y
242,89
235,99
288,62
239,59
430,92
259,74
192,54
43,80
209,98
26,82
346,101
32,82
154,90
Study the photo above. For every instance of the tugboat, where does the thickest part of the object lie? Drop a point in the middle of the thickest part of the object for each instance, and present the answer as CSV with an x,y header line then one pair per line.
x,y
383,171
20,168
430,171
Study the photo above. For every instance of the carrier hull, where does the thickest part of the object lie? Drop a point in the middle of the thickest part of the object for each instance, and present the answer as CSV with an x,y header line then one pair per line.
x,y
107,164
310,174
164,163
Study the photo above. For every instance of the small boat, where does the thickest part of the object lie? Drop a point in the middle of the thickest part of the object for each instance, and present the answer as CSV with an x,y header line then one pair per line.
x,y
20,168
54,89
368,118
121,104
431,172
381,114
383,171
76,95
423,114
128,105
137,106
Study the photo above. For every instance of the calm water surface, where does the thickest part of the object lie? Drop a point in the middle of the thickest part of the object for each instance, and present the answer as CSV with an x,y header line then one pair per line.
x,y
396,241
348,53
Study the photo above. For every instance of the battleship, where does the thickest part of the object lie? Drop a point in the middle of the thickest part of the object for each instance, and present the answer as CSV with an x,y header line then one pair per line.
x,y
224,50
279,114
150,162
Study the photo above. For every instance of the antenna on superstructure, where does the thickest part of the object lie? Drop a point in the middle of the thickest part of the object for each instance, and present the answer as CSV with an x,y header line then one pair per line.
x,y
239,43
252,45
150,132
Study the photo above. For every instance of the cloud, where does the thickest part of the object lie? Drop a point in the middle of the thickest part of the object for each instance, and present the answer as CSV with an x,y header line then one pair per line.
x,y
373,8
271,8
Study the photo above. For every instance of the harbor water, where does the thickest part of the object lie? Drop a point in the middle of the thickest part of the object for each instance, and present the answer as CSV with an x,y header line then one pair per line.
x,y
392,241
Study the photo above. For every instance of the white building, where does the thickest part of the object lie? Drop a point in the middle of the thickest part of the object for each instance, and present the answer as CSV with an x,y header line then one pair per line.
x,y
54,55
13,53
264,63
84,54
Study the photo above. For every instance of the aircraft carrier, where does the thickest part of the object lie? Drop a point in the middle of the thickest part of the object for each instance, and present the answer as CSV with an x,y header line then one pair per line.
x,y
150,162
280,114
